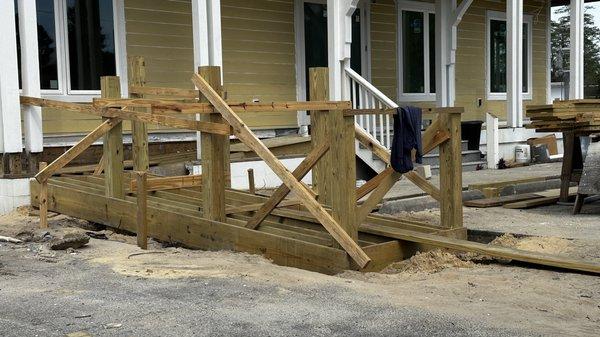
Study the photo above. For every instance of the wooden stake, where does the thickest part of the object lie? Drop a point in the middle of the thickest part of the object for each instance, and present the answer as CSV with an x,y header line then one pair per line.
x,y
319,91
43,199
142,205
251,185
113,143
451,172
139,130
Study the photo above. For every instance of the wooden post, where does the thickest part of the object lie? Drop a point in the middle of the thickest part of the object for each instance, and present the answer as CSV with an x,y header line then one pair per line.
x,y
342,173
319,91
142,208
113,144
251,185
214,155
43,200
451,171
139,130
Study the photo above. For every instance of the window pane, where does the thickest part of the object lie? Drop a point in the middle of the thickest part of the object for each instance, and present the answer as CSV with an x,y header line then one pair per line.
x,y
525,58
91,42
432,53
497,56
413,52
46,44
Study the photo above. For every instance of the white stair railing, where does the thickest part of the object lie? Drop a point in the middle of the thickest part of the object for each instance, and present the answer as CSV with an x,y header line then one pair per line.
x,y
365,95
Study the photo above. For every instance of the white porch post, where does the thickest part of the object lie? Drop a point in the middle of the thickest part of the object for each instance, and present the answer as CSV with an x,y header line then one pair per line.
x,y
514,63
30,75
10,109
208,49
576,53
335,46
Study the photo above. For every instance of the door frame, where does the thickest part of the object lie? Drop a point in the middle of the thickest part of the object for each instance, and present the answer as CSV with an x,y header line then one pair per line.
x,y
300,46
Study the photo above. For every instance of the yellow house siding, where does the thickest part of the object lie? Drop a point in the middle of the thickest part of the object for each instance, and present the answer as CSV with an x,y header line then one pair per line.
x,y
258,55
384,50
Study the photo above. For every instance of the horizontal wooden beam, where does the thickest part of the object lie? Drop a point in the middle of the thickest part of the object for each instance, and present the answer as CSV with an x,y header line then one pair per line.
x,y
256,207
77,149
168,183
170,106
165,120
157,91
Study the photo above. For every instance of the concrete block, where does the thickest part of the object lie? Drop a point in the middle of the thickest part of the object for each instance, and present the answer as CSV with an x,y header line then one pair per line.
x,y
424,171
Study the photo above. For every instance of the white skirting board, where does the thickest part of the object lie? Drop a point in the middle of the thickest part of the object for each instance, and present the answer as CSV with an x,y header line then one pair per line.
x,y
13,193
508,138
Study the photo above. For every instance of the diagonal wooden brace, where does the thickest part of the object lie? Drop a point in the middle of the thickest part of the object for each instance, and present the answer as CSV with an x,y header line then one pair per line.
x,y
305,166
386,184
243,132
77,149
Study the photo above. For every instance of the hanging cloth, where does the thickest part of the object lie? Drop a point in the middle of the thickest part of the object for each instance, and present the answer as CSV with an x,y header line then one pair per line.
x,y
407,137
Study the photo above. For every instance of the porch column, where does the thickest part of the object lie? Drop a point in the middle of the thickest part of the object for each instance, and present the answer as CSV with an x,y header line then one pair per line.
x,y
335,47
30,75
10,109
576,53
208,49
514,63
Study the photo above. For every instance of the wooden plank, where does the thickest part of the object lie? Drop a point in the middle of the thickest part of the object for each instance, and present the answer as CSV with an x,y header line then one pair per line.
x,y
193,231
113,143
320,132
372,184
499,201
434,136
100,167
383,254
451,172
305,166
491,250
43,199
168,183
214,149
423,184
139,130
256,207
77,149
375,197
142,209
242,131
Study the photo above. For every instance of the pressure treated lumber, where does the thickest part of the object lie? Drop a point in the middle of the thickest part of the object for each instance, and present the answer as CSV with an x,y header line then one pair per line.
x,y
491,250
77,149
214,154
423,184
256,207
318,79
451,207
251,184
168,183
113,143
244,133
367,207
142,209
499,201
43,199
372,184
139,129
305,166
434,136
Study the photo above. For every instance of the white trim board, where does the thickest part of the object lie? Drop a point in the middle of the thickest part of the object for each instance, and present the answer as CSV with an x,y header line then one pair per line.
x,y
501,16
426,9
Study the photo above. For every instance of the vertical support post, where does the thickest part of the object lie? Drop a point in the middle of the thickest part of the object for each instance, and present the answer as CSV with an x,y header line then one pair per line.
x,y
493,148
336,38
319,91
251,185
576,61
43,199
10,110
451,172
139,130
514,63
342,173
442,46
113,143
215,155
30,75
142,209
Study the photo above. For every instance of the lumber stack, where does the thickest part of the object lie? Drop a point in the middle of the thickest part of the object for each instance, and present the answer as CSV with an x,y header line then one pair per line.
x,y
572,115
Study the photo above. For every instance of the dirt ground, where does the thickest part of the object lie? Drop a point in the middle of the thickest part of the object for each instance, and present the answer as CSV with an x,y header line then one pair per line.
x,y
111,288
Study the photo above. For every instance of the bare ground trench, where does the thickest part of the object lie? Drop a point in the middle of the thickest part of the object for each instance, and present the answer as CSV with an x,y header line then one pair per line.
x,y
104,290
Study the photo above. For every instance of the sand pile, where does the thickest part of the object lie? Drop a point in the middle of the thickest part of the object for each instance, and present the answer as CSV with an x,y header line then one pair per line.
x,y
430,262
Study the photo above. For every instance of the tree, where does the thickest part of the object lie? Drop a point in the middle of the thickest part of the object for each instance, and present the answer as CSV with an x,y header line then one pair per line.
x,y
560,37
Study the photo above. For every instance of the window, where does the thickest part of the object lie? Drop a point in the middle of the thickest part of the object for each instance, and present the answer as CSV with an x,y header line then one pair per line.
x,y
76,41
416,51
496,68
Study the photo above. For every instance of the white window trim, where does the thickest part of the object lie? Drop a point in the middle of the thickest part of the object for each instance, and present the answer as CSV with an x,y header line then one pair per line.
x,y
63,92
426,8
499,96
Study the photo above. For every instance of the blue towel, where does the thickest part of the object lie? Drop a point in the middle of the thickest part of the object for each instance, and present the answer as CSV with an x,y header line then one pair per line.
x,y
407,137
